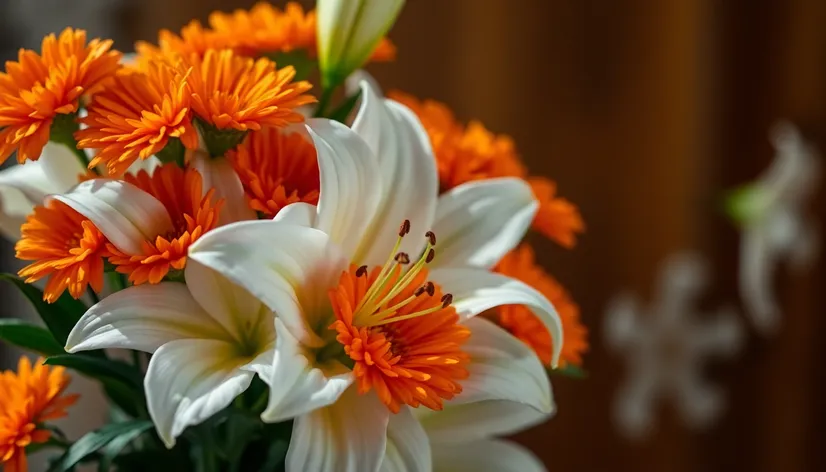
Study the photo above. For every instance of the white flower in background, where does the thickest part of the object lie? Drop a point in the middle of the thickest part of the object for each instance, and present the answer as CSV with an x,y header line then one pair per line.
x,y
776,226
346,264
666,347
208,338
22,187
349,31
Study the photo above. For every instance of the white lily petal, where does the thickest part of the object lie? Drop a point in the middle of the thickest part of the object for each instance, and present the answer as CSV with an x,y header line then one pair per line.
x,y
231,306
302,386
350,183
503,368
347,436
61,166
353,83
262,365
349,31
408,447
190,380
218,174
125,214
299,213
484,456
289,268
410,183
21,188
756,268
477,290
477,223
480,420
149,165
143,318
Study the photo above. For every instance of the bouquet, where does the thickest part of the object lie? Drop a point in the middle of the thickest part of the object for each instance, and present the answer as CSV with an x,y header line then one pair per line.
x,y
261,277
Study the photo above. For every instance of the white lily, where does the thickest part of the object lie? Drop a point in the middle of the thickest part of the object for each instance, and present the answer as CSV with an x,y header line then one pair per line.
x,y
775,223
22,187
349,31
208,338
373,177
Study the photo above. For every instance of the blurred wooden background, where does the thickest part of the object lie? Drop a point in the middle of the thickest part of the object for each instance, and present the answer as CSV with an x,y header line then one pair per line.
x,y
644,111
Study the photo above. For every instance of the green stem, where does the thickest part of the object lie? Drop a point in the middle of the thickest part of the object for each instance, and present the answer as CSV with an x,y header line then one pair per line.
x,y
324,101
136,359
94,296
260,402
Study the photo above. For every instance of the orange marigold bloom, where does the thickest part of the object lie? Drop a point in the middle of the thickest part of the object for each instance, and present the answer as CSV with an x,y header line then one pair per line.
x,y
31,396
39,87
192,212
65,247
465,154
194,39
265,29
232,91
523,324
137,115
277,168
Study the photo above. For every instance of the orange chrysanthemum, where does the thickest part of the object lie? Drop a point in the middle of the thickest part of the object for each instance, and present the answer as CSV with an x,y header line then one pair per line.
x,y
137,115
230,91
465,154
31,396
194,39
401,332
192,214
265,29
66,248
523,324
39,87
277,168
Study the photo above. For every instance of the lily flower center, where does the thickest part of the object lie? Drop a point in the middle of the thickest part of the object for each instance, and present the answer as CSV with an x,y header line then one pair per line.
x,y
400,330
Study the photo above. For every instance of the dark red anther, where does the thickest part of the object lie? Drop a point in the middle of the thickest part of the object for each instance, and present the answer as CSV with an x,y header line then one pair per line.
x,y
431,236
404,228
430,255
361,271
447,299
419,291
430,288
402,258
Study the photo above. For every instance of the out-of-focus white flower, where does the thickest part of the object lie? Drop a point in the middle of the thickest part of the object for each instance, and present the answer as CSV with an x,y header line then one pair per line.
x,y
375,176
208,338
776,226
666,346
348,32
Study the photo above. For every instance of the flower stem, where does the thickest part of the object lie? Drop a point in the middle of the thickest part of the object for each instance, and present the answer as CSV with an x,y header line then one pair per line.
x,y
324,101
94,296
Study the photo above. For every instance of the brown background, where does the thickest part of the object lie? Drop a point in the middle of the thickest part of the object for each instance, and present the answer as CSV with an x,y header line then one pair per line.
x,y
645,112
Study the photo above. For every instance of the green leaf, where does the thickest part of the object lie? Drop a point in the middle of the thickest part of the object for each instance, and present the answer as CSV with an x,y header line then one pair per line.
x,y
60,317
156,460
92,442
745,204
121,381
341,113
115,446
30,337
100,369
